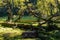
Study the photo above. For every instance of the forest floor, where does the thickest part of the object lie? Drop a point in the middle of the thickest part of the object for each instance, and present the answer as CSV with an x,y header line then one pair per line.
x,y
12,34
15,34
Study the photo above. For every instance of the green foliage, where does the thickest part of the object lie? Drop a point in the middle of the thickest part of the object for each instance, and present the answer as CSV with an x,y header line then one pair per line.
x,y
45,8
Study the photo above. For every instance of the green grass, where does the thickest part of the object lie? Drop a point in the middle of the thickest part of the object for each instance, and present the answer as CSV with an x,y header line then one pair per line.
x,y
24,19
3,19
27,19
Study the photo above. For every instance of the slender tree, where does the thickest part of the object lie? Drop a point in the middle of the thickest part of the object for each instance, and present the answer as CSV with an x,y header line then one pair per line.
x,y
9,9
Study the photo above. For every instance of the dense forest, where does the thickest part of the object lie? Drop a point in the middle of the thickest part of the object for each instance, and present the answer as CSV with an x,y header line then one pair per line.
x,y
30,19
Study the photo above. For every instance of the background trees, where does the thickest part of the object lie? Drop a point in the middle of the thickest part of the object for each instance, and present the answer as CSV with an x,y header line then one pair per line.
x,y
44,8
48,9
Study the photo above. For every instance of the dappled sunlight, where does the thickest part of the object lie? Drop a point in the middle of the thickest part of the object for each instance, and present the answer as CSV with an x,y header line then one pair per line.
x,y
29,20
12,32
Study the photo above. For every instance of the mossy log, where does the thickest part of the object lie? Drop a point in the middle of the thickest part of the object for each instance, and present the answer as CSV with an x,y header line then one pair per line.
x,y
7,24
15,24
28,26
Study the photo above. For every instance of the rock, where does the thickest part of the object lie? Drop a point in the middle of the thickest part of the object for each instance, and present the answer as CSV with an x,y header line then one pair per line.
x,y
29,34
